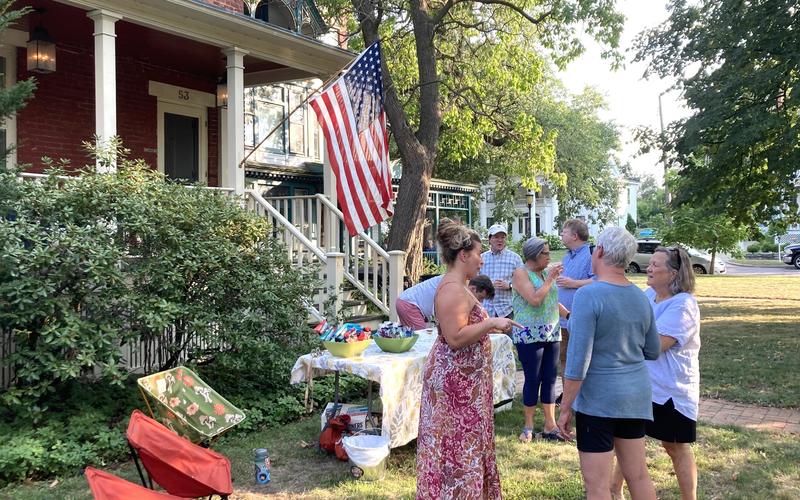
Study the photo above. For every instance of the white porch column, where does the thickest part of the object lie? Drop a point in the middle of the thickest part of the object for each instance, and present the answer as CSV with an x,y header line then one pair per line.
x,y
335,277
105,78
547,222
232,175
397,266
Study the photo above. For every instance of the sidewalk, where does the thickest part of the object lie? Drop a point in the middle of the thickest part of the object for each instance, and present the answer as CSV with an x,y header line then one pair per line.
x,y
720,412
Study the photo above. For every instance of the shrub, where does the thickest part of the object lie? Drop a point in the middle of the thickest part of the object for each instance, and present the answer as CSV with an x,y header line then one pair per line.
x,y
769,247
88,426
754,248
95,262
430,267
89,264
554,241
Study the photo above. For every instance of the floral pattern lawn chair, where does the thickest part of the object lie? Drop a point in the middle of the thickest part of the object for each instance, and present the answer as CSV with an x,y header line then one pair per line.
x,y
180,400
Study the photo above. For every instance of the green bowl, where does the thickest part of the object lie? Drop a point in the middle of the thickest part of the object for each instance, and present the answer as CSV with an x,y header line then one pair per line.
x,y
396,345
346,349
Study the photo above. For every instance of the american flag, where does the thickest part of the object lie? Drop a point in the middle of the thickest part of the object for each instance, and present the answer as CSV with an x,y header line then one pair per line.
x,y
350,111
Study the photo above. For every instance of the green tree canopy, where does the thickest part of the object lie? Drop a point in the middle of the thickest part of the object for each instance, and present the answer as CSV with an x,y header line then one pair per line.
x,y
651,206
452,68
738,64
575,142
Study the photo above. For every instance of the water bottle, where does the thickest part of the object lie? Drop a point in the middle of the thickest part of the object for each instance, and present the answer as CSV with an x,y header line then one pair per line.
x,y
261,463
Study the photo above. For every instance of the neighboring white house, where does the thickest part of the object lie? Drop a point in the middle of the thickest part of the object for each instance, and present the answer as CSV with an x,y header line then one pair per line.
x,y
627,197
545,210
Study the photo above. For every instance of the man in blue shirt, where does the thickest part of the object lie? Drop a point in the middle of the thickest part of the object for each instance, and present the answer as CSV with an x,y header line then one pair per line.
x,y
577,273
499,264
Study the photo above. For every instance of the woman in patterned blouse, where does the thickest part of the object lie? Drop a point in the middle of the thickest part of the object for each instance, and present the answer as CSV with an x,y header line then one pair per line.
x,y
536,307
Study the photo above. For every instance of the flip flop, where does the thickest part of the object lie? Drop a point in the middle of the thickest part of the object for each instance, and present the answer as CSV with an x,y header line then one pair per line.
x,y
526,436
553,435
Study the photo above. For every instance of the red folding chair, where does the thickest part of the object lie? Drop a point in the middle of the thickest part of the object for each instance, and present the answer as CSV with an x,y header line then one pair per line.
x,y
107,486
175,463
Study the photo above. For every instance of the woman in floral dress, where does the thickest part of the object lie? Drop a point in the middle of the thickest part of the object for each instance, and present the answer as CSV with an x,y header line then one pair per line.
x,y
455,443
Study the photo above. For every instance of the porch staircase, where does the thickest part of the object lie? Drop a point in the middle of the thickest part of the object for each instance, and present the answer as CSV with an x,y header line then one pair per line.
x,y
360,280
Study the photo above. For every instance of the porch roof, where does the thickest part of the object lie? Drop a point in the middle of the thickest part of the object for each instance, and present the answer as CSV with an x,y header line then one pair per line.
x,y
299,56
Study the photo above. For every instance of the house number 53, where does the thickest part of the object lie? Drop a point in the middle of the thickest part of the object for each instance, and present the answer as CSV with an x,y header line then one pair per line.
x,y
183,95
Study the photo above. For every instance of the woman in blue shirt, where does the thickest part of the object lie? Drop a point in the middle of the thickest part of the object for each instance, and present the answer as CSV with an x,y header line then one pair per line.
x,y
536,307
606,381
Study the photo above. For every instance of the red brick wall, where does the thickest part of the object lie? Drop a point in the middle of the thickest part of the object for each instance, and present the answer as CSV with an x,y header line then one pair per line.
x,y
233,5
61,114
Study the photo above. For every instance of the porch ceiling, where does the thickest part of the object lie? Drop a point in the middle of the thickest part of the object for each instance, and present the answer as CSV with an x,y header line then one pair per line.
x,y
156,27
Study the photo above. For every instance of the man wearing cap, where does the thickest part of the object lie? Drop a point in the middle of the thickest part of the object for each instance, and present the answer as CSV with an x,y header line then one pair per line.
x,y
499,264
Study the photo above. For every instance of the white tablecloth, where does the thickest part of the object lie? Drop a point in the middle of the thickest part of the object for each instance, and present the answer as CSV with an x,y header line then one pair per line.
x,y
400,378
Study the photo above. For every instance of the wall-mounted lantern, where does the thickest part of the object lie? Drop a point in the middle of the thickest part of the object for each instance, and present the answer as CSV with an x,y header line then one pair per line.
x,y
41,49
222,92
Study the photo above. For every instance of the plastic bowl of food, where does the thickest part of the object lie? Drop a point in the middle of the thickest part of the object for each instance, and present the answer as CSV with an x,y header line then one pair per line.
x,y
346,349
396,345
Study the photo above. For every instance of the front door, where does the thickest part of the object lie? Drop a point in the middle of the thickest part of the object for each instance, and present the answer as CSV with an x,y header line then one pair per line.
x,y
181,147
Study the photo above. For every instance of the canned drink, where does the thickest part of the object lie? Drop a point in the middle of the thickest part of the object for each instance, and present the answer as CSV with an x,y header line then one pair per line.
x,y
261,464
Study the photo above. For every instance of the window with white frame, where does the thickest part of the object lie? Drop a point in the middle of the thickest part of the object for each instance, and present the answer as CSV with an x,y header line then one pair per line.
x,y
266,108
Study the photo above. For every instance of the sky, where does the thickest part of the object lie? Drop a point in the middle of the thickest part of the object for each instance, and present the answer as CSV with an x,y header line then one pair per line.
x,y
632,100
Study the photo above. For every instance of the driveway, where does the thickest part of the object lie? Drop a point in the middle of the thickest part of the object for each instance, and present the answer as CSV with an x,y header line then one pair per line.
x,y
739,270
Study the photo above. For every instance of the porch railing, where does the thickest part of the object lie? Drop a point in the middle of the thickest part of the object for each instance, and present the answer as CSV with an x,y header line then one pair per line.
x,y
369,268
302,251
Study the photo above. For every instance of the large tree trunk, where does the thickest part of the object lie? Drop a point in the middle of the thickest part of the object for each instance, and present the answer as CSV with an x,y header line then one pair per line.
x,y
417,150
409,217
713,258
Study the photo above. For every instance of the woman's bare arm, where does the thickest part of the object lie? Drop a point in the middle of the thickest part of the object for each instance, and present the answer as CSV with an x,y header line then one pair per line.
x,y
522,284
453,308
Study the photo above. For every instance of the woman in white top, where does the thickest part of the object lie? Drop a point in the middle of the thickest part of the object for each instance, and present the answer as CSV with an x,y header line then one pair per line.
x,y
675,375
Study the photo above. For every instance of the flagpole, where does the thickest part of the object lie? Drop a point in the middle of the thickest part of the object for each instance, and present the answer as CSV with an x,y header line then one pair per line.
x,y
312,94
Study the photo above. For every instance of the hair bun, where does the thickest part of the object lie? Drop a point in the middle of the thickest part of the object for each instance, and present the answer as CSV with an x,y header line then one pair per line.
x,y
454,237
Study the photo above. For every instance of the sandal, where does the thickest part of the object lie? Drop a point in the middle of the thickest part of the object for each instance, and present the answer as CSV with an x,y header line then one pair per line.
x,y
553,435
526,436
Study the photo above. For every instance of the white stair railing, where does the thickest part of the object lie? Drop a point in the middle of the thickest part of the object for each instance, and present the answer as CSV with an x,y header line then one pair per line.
x,y
302,251
374,272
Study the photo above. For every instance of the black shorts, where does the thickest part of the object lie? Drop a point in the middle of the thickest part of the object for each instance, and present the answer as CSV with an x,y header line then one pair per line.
x,y
596,434
670,425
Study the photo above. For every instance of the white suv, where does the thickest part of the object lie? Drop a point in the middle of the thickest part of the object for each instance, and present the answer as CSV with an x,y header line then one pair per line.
x,y
701,262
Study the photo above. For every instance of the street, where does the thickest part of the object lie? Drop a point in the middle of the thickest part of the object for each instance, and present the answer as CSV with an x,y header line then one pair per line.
x,y
739,270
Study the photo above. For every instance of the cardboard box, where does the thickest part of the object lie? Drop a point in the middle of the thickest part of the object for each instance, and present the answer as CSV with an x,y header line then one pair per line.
x,y
357,413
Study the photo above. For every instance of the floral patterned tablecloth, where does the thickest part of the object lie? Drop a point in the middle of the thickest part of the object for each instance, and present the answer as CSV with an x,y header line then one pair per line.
x,y
400,378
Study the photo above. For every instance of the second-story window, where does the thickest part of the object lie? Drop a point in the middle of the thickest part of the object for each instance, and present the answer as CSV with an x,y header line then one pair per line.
x,y
264,110
297,121
267,106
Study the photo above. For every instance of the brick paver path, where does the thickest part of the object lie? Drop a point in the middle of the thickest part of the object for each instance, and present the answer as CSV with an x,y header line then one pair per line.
x,y
717,411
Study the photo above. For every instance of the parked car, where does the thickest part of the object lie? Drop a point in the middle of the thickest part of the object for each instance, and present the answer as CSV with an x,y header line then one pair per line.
x,y
791,255
701,261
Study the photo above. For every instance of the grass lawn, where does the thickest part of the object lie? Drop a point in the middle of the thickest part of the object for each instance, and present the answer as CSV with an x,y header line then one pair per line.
x,y
751,338
733,464
750,354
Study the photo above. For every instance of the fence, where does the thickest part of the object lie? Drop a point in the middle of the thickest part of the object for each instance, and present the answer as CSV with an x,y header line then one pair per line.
x,y
140,356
